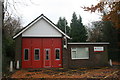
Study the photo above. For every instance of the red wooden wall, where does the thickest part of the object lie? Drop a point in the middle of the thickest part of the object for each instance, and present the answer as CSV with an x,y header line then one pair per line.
x,y
45,46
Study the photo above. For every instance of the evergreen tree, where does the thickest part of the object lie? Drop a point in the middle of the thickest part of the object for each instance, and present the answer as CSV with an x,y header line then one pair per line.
x,y
104,31
78,32
62,22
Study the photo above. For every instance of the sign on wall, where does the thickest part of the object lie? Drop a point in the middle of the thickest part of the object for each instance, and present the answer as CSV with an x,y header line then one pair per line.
x,y
98,49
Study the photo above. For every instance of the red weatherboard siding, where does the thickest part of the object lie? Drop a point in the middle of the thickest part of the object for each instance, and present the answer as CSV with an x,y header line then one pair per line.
x,y
42,44
56,44
26,43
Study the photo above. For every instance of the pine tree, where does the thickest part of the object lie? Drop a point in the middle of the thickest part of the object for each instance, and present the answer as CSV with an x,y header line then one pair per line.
x,y
62,22
78,31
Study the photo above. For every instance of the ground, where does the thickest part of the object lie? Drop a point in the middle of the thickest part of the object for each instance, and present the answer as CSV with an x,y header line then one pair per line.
x,y
109,73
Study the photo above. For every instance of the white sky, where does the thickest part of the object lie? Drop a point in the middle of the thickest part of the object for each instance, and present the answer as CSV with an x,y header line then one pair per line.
x,y
53,9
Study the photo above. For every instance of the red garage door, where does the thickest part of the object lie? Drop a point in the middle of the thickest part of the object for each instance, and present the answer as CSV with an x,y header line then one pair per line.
x,y
41,52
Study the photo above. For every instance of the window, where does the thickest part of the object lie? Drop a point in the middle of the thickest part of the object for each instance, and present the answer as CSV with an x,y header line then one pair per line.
x,y
80,53
26,54
74,50
57,54
47,54
36,54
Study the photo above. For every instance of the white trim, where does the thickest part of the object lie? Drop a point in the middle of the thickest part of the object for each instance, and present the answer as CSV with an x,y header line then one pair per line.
x,y
91,43
81,58
42,36
42,16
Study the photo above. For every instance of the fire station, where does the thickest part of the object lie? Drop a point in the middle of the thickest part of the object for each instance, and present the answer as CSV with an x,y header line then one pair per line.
x,y
41,44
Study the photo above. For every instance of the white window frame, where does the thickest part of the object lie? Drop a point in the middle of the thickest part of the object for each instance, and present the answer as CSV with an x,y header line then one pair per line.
x,y
34,53
28,54
59,53
48,54
76,52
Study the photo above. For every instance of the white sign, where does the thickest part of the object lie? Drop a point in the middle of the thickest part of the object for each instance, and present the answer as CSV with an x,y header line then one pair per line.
x,y
98,49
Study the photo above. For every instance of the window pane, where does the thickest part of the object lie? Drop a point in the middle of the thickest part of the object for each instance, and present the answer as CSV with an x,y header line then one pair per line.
x,y
80,53
47,54
36,54
74,49
57,53
73,54
26,54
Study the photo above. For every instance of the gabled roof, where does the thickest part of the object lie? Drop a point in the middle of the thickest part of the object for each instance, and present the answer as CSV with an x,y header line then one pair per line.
x,y
37,19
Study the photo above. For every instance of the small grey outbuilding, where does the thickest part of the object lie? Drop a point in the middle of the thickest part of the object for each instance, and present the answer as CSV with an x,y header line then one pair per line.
x,y
88,54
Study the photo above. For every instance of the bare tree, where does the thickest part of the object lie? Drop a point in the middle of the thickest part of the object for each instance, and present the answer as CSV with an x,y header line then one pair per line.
x,y
11,26
95,32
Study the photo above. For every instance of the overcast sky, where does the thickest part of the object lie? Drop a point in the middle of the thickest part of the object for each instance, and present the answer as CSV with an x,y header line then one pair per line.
x,y
53,9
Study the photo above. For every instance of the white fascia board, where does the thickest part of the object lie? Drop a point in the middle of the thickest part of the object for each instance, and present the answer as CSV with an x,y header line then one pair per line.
x,y
91,43
27,27
41,36
57,28
81,58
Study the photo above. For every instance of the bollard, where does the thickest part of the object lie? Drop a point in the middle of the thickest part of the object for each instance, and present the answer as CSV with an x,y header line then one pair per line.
x,y
110,62
17,67
11,66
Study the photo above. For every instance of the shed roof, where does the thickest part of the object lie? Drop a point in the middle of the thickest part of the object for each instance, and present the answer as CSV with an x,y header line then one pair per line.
x,y
37,19
86,43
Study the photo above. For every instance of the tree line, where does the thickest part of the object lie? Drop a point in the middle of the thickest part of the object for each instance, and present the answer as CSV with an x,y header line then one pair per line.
x,y
77,31
109,28
100,31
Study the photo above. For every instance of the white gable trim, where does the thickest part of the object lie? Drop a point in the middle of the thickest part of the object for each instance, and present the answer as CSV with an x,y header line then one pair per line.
x,y
42,36
42,16
26,28
56,28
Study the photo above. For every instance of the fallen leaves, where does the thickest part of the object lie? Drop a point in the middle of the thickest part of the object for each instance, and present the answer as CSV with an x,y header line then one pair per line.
x,y
68,73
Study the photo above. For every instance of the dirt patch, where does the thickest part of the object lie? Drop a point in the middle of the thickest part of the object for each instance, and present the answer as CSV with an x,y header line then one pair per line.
x,y
69,73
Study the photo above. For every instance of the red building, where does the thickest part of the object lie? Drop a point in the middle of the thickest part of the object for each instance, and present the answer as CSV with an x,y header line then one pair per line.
x,y
40,43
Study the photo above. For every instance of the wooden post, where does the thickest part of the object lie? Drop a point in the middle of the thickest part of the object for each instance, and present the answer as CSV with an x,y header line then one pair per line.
x,y
18,65
11,66
110,62
1,24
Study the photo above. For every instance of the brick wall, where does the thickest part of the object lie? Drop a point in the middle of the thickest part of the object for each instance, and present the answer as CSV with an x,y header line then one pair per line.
x,y
96,59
